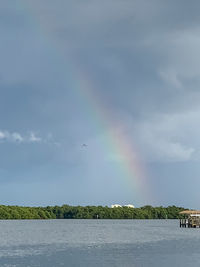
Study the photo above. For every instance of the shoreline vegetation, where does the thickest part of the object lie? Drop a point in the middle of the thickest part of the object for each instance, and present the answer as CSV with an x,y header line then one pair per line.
x,y
88,212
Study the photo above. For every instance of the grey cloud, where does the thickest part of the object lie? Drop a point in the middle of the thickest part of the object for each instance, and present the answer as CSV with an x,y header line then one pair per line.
x,y
171,137
142,55
107,20
140,62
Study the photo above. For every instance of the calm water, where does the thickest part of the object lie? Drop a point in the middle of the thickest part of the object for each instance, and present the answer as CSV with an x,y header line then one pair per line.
x,y
98,243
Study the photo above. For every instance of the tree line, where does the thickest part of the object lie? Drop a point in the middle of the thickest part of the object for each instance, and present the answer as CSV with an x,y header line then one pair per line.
x,y
89,212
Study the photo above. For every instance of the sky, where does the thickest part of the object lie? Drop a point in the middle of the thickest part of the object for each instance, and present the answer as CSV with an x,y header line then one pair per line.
x,y
121,77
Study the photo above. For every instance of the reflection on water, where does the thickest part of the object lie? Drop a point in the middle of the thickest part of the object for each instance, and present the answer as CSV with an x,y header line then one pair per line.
x,y
98,243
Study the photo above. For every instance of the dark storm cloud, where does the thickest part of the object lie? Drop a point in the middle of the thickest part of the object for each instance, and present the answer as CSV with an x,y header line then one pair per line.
x,y
143,65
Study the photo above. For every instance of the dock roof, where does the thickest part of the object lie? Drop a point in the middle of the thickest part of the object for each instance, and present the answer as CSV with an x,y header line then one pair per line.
x,y
190,212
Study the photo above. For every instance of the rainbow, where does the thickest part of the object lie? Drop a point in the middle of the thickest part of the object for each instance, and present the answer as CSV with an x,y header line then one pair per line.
x,y
116,142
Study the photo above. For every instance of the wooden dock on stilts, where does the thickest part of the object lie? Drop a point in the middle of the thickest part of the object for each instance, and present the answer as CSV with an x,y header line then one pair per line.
x,y
191,219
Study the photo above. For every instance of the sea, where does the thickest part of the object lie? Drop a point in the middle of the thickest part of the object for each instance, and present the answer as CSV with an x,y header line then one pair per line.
x,y
95,243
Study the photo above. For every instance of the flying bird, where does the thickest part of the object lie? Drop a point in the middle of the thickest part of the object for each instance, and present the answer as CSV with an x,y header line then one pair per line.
x,y
84,145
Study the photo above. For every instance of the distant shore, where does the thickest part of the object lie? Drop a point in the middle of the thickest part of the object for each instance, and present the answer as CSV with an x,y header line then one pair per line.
x,y
88,212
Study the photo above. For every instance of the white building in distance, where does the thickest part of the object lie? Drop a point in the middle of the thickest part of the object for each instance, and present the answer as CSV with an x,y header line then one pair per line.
x,y
119,206
116,206
129,206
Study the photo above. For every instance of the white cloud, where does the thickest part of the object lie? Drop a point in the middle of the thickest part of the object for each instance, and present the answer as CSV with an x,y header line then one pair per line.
x,y
171,77
15,137
163,137
33,138
165,150
173,137
2,135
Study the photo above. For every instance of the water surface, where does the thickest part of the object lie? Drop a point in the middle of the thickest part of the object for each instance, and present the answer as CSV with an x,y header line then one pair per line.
x,y
52,243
